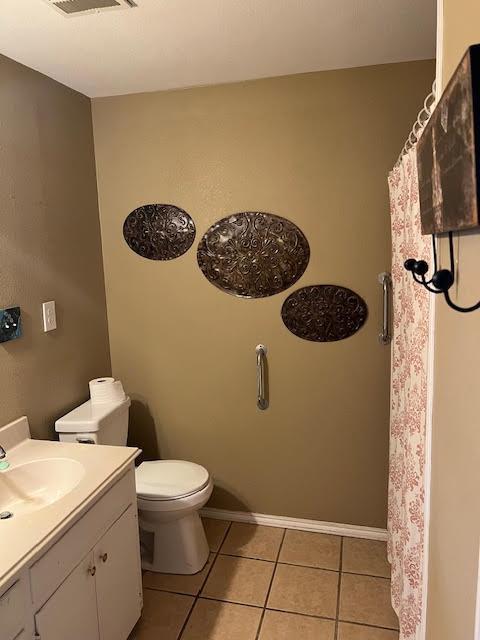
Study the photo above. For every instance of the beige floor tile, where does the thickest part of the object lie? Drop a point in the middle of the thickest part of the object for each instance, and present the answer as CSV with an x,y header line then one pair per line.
x,y
365,556
190,585
215,531
278,625
356,632
239,580
253,541
366,600
311,549
304,590
211,620
163,615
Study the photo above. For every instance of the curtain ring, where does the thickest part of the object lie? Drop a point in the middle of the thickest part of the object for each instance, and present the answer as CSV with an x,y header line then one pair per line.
x,y
428,106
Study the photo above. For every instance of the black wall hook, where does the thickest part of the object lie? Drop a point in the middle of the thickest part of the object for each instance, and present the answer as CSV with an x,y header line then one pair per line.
x,y
441,280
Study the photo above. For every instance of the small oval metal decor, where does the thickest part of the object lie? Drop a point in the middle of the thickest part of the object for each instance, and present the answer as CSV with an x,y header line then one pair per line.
x,y
253,254
324,312
159,231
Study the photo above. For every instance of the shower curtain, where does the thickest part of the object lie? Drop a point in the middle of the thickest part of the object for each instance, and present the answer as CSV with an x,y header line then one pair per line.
x,y
411,309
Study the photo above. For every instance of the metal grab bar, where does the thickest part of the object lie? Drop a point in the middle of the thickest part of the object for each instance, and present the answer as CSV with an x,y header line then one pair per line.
x,y
385,280
261,351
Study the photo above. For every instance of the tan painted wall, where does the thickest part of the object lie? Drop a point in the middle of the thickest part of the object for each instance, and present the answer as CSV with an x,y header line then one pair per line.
x,y
455,513
49,247
314,148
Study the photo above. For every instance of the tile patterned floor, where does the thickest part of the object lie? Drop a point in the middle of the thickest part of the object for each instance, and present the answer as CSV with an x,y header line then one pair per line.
x,y
265,583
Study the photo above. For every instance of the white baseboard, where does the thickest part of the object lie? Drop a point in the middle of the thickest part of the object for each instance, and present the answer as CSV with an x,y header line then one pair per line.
x,y
349,530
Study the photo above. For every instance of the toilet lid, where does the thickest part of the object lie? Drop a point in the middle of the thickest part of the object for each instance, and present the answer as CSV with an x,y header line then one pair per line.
x,y
169,479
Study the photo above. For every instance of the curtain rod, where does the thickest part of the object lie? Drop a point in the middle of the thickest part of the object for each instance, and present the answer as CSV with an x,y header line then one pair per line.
x,y
422,119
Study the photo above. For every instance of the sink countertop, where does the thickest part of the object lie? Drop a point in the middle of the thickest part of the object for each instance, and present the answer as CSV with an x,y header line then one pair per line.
x,y
24,538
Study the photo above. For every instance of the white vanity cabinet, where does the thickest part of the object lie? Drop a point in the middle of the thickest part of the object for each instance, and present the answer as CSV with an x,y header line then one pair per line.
x,y
86,585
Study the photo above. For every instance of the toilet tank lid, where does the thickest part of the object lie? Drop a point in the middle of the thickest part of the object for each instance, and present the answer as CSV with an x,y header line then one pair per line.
x,y
88,417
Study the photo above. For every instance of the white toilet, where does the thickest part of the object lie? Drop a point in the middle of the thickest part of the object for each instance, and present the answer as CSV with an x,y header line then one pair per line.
x,y
170,493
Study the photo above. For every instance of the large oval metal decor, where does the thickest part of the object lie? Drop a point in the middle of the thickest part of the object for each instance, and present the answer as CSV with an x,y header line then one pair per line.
x,y
253,254
324,312
159,231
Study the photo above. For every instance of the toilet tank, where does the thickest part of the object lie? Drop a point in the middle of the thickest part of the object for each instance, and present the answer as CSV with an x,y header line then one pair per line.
x,y
103,423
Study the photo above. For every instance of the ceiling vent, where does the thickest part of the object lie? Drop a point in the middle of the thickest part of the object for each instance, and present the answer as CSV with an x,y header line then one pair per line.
x,y
82,7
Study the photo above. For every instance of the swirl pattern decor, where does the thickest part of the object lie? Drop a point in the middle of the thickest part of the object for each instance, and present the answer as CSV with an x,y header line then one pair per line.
x,y
253,254
159,231
324,312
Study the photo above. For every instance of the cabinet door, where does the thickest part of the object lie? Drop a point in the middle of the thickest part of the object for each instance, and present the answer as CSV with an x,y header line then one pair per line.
x,y
12,611
71,612
118,579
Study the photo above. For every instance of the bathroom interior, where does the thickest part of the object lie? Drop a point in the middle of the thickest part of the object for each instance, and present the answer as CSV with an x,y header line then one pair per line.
x,y
229,410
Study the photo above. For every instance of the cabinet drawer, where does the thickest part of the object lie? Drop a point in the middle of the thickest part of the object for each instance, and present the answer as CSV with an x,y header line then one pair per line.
x,y
12,612
53,567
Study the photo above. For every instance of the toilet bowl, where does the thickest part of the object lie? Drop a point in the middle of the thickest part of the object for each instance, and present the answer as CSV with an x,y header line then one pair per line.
x,y
170,493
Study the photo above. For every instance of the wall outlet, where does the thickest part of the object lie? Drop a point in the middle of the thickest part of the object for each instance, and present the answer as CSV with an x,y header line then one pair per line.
x,y
49,316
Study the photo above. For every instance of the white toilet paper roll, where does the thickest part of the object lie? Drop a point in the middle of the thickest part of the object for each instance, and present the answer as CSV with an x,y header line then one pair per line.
x,y
106,390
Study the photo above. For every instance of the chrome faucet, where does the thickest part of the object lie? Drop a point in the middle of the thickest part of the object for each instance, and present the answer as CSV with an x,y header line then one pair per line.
x,y
3,453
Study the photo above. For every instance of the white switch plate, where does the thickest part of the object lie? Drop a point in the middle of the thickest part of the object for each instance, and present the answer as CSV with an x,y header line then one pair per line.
x,y
49,316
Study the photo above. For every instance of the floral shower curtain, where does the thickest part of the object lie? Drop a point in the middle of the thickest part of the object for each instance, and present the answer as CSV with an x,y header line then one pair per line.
x,y
411,309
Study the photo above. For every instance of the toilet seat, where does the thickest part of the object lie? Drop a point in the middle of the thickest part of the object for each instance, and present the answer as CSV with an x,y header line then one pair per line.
x,y
166,480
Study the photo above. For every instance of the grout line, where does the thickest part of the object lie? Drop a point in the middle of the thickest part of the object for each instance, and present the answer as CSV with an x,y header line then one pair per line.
x,y
367,575
260,622
369,626
235,555
255,606
281,545
214,561
292,564
339,587
308,566
270,585
195,600
175,593
197,596
184,626
179,635
240,604
302,615
305,566
224,537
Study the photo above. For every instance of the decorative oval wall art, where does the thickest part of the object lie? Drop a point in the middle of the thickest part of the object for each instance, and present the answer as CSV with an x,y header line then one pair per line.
x,y
159,231
324,312
253,254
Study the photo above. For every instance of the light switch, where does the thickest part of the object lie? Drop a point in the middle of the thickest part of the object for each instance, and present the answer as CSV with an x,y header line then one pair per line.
x,y
49,316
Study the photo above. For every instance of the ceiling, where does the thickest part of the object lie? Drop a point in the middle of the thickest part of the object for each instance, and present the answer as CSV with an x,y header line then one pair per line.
x,y
165,44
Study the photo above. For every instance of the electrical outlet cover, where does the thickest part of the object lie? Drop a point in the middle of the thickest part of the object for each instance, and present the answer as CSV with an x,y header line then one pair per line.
x,y
10,324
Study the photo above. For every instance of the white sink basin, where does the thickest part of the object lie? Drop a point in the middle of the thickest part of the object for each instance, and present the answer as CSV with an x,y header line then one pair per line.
x,y
34,485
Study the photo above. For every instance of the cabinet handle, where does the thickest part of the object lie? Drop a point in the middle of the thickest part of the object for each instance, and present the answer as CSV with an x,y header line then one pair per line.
x,y
104,557
92,570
